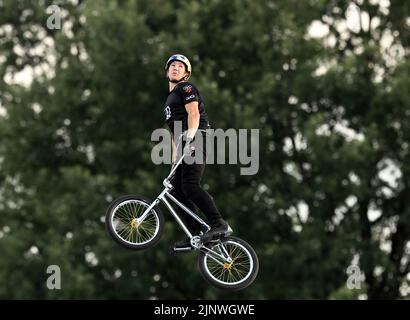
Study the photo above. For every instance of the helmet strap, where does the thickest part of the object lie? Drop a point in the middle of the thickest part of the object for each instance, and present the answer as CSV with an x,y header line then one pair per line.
x,y
177,81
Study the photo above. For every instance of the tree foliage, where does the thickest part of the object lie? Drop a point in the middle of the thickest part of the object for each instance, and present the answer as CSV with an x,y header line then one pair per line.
x,y
333,112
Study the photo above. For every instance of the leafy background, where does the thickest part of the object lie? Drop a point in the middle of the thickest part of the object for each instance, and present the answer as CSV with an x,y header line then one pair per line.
x,y
326,82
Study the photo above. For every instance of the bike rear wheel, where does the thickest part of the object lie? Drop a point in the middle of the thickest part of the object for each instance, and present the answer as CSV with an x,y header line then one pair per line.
x,y
234,274
122,225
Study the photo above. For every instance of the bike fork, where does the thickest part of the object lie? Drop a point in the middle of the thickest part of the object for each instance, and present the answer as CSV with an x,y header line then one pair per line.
x,y
153,204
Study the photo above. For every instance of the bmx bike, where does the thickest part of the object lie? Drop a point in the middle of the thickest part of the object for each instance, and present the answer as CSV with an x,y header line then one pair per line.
x,y
226,262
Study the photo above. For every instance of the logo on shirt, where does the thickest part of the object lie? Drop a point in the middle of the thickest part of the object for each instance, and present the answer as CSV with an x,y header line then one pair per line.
x,y
187,88
190,97
167,112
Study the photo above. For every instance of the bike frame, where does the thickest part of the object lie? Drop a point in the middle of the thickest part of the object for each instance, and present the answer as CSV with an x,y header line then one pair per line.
x,y
165,195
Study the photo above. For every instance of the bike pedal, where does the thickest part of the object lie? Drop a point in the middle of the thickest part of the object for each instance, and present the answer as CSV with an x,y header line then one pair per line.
x,y
174,251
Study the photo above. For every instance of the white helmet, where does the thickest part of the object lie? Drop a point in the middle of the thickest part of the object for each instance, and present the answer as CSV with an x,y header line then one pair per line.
x,y
184,60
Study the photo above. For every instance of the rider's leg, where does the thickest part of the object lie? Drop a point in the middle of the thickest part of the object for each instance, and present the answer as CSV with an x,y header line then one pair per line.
x,y
202,199
193,225
191,175
190,222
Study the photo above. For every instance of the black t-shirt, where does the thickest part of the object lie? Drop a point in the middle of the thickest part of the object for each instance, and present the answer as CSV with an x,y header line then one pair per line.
x,y
182,94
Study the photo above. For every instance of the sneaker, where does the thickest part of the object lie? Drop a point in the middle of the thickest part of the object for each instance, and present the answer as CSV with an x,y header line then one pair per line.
x,y
201,231
219,227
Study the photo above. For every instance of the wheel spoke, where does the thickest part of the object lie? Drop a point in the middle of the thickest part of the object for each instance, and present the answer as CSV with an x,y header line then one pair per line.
x,y
125,225
235,271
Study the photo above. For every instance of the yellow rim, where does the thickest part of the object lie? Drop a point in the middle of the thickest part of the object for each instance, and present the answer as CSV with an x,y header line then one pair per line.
x,y
234,271
126,224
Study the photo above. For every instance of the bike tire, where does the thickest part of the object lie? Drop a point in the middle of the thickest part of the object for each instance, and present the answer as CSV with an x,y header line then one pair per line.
x,y
134,202
210,276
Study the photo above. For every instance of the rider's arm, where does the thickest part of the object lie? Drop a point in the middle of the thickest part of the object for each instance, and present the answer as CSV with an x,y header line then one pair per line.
x,y
193,118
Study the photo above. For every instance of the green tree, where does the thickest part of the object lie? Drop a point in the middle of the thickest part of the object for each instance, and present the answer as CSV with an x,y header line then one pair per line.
x,y
333,115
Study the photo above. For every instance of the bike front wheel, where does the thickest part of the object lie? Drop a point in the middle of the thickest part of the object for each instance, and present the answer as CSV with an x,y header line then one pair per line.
x,y
123,226
229,264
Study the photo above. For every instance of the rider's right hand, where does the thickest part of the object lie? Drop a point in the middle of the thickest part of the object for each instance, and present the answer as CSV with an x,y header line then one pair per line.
x,y
189,147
